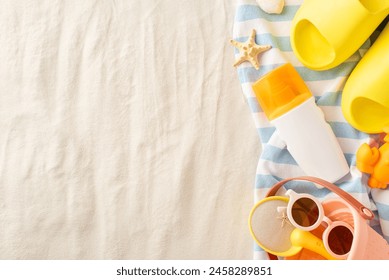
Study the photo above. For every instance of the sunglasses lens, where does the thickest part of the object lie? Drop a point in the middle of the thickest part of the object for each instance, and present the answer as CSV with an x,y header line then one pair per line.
x,y
305,212
340,240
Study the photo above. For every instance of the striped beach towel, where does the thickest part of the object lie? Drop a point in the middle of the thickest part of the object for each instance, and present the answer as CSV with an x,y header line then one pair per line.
x,y
275,162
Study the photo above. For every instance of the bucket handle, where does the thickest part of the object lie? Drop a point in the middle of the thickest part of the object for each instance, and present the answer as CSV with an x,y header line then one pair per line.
x,y
363,211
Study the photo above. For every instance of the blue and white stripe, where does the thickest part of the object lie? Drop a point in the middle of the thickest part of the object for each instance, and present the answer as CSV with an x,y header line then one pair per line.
x,y
275,162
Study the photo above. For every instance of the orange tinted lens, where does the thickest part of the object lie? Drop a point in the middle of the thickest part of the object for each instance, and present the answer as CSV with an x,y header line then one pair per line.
x,y
305,212
340,240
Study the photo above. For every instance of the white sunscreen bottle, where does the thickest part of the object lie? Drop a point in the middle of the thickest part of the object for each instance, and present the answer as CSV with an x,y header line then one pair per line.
x,y
290,107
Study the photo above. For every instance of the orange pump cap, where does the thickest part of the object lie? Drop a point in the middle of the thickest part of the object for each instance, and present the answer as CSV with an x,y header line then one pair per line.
x,y
280,90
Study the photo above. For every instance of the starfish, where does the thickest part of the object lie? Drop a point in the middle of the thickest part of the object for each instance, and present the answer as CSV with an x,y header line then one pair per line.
x,y
284,219
249,50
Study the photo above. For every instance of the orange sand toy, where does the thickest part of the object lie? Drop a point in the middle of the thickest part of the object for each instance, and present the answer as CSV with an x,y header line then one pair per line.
x,y
375,162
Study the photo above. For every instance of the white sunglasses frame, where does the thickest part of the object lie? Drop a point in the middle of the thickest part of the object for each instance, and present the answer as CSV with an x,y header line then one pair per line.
x,y
293,197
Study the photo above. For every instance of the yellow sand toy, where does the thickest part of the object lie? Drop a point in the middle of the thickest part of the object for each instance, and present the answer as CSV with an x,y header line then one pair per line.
x,y
325,33
375,162
365,98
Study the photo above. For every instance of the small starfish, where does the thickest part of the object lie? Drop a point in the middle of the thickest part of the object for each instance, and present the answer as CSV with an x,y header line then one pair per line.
x,y
249,50
284,219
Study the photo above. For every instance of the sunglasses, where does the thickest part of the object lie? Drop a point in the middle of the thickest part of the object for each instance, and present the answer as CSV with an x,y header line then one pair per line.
x,y
305,212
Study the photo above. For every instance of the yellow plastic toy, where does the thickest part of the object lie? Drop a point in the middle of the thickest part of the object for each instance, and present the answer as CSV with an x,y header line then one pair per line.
x,y
365,98
305,239
325,33
375,162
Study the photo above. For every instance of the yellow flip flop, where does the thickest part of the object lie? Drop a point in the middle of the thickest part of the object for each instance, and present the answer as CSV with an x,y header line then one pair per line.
x,y
325,33
365,97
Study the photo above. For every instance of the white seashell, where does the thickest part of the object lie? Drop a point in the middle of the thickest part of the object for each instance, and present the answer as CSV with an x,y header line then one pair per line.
x,y
271,6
